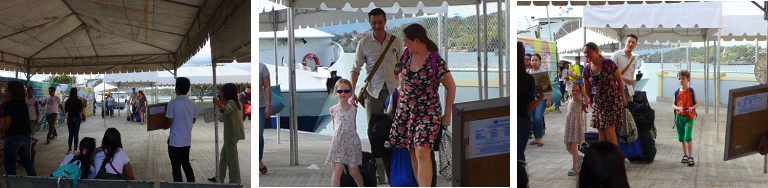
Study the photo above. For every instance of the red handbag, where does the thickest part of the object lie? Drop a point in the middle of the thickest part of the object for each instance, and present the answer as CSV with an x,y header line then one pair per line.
x,y
247,108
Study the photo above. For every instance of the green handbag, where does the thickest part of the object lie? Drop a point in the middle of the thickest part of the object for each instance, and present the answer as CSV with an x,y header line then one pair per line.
x,y
277,100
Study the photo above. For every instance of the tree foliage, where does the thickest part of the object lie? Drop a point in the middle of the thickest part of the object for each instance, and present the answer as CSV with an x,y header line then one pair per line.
x,y
62,79
743,54
461,33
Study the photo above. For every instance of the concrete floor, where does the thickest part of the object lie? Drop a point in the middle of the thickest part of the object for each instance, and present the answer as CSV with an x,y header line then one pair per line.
x,y
548,165
313,150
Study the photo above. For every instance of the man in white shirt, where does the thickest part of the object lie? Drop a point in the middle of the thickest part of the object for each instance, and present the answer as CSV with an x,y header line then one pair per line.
x,y
53,105
383,81
622,58
34,110
134,100
182,114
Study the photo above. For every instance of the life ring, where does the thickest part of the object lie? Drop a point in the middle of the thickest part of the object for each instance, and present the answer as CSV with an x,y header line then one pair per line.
x,y
314,57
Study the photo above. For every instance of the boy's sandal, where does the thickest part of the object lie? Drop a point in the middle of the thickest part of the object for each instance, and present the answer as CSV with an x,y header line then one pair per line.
x,y
572,172
532,143
685,159
263,170
540,144
690,161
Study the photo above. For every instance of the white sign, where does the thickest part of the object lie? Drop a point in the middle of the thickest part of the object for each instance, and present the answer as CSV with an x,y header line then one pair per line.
x,y
751,103
157,110
489,137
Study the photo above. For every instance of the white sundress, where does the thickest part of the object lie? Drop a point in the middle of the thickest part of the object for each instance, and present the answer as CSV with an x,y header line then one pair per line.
x,y
345,147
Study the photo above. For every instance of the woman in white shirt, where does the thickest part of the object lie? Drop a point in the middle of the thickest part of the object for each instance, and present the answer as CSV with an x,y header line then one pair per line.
x,y
538,113
111,152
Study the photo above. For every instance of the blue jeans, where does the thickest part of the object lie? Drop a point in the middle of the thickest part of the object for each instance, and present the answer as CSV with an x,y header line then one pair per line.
x,y
538,119
523,130
18,145
557,104
262,120
73,123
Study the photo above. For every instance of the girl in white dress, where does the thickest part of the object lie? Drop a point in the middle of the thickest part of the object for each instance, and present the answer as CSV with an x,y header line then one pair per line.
x,y
345,147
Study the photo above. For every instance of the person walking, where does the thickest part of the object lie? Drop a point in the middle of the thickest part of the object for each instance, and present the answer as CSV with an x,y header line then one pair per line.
x,y
419,111
245,100
384,49
141,106
14,124
73,107
53,106
233,132
265,110
604,77
345,148
627,64
34,111
538,113
182,114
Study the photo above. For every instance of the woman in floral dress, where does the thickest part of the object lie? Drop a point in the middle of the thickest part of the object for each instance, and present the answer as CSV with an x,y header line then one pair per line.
x,y
607,100
418,116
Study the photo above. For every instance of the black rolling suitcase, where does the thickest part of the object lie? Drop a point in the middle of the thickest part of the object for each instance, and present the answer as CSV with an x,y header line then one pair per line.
x,y
367,169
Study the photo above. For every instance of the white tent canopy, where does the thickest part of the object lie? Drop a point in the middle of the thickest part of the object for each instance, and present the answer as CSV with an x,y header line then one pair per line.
x,y
744,27
204,75
574,41
655,23
92,36
317,16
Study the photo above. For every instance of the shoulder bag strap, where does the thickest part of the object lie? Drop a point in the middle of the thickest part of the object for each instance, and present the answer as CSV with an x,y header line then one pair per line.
x,y
381,57
630,64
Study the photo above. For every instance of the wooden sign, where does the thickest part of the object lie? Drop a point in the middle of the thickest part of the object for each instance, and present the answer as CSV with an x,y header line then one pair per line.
x,y
747,115
481,140
156,119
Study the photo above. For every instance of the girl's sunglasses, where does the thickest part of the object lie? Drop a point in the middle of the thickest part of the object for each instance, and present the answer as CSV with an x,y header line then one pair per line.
x,y
527,58
343,91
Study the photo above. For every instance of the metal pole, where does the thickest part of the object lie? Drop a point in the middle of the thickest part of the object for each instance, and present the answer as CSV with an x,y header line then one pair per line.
x,y
215,114
717,87
485,47
508,46
479,63
500,50
292,63
687,56
706,74
277,78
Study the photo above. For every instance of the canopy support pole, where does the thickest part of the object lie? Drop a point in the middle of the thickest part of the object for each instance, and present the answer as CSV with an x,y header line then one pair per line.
x,y
479,63
277,78
500,49
215,112
292,63
706,74
485,47
717,85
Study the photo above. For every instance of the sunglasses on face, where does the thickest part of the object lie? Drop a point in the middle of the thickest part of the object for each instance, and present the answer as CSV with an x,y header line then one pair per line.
x,y
343,91
527,58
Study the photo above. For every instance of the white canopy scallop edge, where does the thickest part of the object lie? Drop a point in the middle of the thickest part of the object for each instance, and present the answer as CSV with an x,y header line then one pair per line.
x,y
664,15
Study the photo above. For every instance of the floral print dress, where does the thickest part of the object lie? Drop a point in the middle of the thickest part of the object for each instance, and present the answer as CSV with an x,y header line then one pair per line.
x,y
419,113
345,146
606,101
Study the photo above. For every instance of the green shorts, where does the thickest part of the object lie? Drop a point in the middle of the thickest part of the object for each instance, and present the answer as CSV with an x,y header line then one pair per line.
x,y
684,128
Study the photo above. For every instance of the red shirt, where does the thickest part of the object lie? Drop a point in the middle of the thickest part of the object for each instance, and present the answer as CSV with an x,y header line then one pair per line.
x,y
684,99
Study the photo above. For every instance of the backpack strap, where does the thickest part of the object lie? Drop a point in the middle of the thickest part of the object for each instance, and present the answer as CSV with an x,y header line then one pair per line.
x,y
110,162
433,61
693,96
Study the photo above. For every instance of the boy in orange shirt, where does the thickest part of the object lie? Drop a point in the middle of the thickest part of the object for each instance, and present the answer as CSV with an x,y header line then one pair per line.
x,y
684,105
